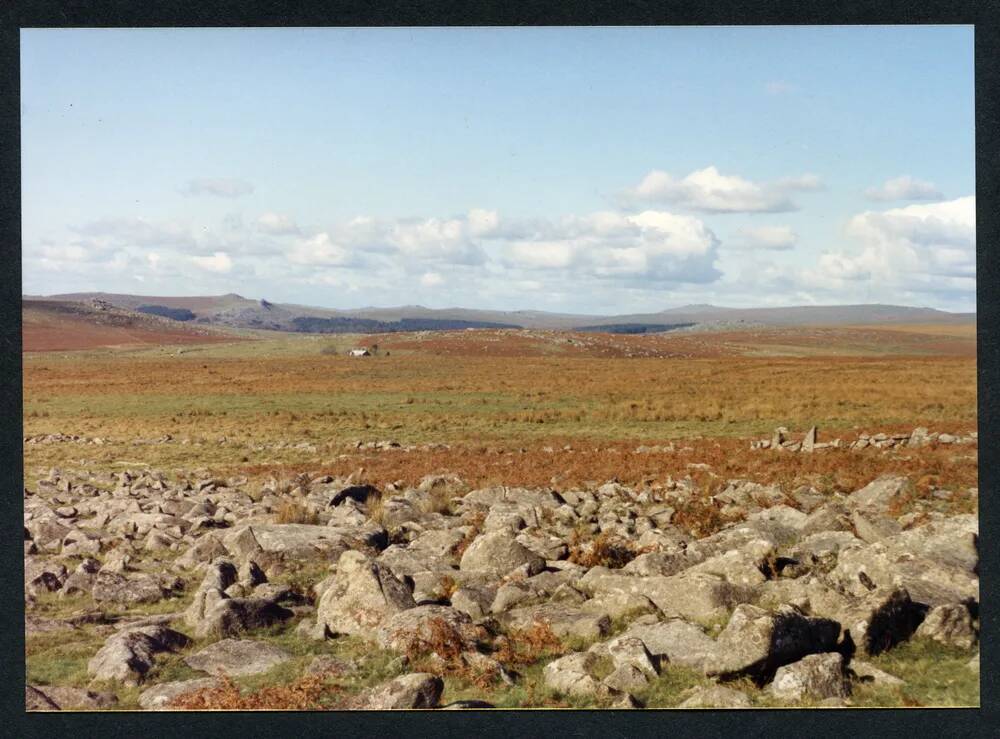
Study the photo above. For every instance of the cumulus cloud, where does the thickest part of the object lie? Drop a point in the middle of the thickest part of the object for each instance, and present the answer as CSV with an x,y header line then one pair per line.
x,y
319,250
431,279
709,191
776,238
277,224
904,188
925,248
222,187
218,262
654,246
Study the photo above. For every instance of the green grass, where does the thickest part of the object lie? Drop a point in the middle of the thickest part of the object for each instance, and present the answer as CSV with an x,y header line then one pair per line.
x,y
935,675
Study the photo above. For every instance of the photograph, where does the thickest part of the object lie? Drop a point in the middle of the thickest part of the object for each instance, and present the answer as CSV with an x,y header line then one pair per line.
x,y
499,368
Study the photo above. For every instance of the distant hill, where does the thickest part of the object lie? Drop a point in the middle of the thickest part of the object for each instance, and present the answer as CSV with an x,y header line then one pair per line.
x,y
65,325
239,312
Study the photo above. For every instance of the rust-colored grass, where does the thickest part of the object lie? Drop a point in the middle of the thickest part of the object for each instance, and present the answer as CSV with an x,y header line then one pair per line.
x,y
508,418
601,551
294,512
311,692
527,646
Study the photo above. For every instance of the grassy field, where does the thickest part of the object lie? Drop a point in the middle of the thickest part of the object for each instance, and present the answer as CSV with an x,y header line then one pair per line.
x,y
293,390
525,408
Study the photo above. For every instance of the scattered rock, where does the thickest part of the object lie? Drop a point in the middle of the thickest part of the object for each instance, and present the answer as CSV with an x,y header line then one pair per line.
x,y
159,697
717,696
815,676
362,595
128,655
949,624
416,690
237,657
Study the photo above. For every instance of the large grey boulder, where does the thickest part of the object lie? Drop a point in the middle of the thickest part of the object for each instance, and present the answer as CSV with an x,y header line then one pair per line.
x,y
865,672
879,494
42,576
128,655
717,696
628,651
203,550
874,622
676,641
571,675
816,676
232,616
563,619
362,595
698,596
497,552
756,642
237,657
742,567
425,625
937,563
114,588
416,690
951,624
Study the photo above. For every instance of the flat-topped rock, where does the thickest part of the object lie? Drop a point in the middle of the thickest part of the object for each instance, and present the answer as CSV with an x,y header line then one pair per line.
x,y
237,657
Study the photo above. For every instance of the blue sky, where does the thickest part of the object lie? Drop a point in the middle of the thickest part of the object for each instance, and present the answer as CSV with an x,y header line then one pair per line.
x,y
584,170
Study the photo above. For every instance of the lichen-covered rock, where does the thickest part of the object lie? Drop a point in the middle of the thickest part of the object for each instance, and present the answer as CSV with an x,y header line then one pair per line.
x,y
814,676
874,622
564,620
570,675
676,641
717,696
756,642
159,697
497,552
113,588
232,616
949,624
362,595
879,494
416,690
937,562
128,655
425,625
237,657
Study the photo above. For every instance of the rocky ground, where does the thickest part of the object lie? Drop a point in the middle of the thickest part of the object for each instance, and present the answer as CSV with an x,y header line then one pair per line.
x,y
153,591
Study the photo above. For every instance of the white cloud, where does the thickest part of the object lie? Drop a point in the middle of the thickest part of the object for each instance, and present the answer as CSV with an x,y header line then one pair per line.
x,y
443,240
223,187
277,224
776,238
926,248
482,222
319,249
648,246
904,188
708,190
431,279
218,262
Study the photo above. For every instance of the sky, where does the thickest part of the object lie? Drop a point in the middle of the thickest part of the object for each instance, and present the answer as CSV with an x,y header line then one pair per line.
x,y
584,170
